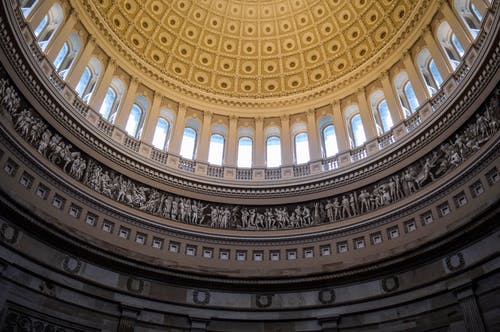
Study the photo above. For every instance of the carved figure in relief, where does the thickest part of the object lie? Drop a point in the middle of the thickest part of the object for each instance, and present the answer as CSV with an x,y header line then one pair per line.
x,y
77,168
337,209
306,216
409,180
182,210
345,207
251,217
167,207
329,210
225,215
214,216
298,214
353,204
364,198
174,209
244,218
188,210
44,141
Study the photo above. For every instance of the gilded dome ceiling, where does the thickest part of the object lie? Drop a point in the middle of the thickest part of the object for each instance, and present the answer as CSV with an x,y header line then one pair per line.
x,y
252,49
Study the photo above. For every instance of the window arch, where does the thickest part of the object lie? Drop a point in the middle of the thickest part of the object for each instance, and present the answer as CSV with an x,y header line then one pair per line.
x,y
189,141
450,44
429,71
273,151
161,134
245,151
27,6
470,14
88,80
329,146
355,126
67,54
301,145
48,25
216,149
381,113
112,99
406,94
136,117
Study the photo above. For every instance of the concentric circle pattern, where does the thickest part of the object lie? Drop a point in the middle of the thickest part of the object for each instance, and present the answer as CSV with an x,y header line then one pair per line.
x,y
259,48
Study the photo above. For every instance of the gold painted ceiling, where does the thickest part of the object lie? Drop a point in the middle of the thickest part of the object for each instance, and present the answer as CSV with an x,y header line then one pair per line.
x,y
256,48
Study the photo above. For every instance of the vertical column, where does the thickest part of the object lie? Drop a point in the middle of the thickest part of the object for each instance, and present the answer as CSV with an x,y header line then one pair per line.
x,y
202,151
470,310
102,86
151,119
259,159
313,136
392,101
340,127
61,36
416,79
82,61
230,158
463,35
366,115
286,141
126,105
38,13
176,138
436,51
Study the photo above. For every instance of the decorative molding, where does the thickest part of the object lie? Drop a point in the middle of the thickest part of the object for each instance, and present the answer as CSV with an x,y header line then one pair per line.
x,y
390,284
263,300
327,296
71,264
455,262
201,297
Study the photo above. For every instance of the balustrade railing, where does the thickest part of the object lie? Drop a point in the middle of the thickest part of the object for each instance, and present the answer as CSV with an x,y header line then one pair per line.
x,y
132,143
358,153
186,165
244,174
272,173
413,122
301,170
330,164
385,140
438,99
215,171
105,127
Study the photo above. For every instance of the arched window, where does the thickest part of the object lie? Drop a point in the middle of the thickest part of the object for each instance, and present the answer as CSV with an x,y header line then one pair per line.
x,y
470,14
245,150
161,134
358,132
450,44
385,115
381,113
216,149
273,151
27,6
88,80
67,54
301,148
134,119
112,100
406,94
48,25
188,144
330,146
429,71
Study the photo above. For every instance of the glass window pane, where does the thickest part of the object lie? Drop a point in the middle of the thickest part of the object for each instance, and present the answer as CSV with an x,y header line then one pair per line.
x,y
385,115
216,149
330,141
301,148
84,81
61,56
358,130
245,152
133,120
457,45
411,97
107,104
41,26
188,143
273,152
435,73
476,12
160,135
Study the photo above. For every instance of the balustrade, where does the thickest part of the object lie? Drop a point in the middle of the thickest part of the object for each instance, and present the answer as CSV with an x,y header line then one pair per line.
x,y
244,174
272,173
215,171
186,165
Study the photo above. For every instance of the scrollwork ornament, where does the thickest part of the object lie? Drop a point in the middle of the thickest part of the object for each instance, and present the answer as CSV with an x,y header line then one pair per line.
x,y
8,233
